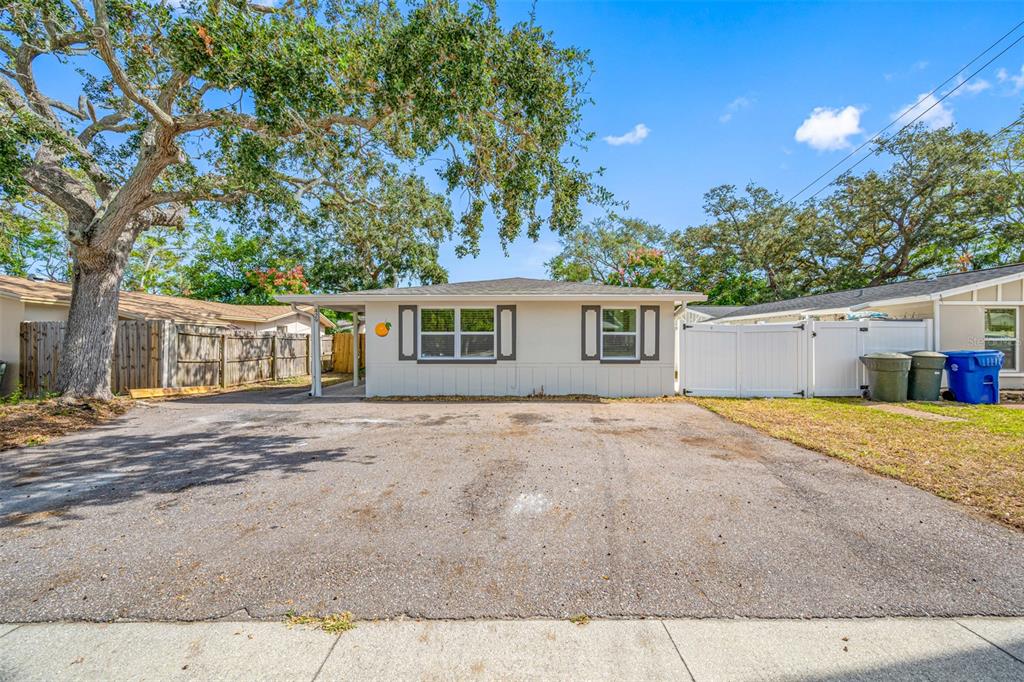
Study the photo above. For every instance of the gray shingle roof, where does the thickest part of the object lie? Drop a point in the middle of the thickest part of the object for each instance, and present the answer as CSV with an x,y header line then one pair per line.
x,y
716,311
517,286
884,292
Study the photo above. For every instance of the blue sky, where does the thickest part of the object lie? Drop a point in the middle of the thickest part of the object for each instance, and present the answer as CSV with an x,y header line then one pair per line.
x,y
722,89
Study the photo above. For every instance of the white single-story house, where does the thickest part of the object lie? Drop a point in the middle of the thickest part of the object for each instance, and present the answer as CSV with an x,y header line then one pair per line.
x,y
514,336
971,310
31,300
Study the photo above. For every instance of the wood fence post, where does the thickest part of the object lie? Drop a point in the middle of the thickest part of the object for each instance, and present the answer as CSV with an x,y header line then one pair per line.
x,y
273,357
223,360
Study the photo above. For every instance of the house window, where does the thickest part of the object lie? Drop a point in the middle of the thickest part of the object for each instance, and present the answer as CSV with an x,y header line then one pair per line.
x,y
457,333
1001,334
618,333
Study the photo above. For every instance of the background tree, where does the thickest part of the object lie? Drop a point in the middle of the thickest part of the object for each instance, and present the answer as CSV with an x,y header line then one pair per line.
x,y
394,236
234,267
751,245
933,205
266,111
945,201
32,238
154,265
597,252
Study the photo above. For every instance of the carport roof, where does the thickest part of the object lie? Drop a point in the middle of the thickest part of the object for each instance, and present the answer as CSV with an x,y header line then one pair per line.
x,y
508,288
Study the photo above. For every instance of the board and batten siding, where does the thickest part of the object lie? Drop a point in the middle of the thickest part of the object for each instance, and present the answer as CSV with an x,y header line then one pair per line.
x,y
547,357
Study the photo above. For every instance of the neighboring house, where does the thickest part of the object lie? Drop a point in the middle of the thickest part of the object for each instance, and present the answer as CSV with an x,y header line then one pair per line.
x,y
515,336
970,310
28,300
695,314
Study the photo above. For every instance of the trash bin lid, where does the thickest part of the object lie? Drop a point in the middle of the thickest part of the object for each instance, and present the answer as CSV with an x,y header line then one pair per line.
x,y
886,362
980,358
927,359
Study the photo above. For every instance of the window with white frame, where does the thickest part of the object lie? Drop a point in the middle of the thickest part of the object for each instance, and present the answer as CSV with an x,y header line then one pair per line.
x,y
619,333
457,333
1001,325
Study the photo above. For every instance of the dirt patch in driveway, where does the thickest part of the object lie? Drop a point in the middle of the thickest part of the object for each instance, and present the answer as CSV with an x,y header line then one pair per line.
x,y
205,508
34,422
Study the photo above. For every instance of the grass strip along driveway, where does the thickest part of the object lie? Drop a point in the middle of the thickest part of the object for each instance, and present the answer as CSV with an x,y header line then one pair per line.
x,y
976,458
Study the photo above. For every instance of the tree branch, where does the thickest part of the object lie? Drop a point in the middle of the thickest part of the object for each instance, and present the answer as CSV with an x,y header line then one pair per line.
x,y
101,33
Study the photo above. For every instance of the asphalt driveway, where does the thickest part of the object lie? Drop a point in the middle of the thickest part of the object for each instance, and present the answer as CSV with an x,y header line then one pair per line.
x,y
261,503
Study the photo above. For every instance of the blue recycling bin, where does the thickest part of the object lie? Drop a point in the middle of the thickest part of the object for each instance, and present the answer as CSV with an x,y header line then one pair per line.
x,y
974,375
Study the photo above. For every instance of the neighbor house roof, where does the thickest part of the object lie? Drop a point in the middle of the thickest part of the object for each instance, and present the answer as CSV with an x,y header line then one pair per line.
x,y
509,288
132,304
715,311
904,292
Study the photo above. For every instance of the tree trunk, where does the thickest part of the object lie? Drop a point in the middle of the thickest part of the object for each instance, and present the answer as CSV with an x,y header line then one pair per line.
x,y
85,358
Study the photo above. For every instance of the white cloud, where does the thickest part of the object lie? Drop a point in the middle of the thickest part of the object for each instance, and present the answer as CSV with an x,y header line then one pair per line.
x,y
974,87
830,129
734,106
934,114
1016,81
635,136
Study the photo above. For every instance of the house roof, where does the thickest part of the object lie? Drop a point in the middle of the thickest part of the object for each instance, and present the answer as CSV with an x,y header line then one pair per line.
x,y
850,298
715,311
507,288
132,304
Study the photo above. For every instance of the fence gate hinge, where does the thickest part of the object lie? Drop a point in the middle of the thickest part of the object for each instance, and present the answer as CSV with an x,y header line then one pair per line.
x,y
686,326
684,391
802,394
813,334
800,326
864,387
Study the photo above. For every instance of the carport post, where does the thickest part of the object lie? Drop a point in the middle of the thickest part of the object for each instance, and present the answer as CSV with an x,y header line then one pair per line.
x,y
315,386
355,348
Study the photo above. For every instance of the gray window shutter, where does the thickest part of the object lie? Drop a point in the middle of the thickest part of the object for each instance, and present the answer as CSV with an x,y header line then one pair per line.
x,y
590,333
408,326
506,328
650,332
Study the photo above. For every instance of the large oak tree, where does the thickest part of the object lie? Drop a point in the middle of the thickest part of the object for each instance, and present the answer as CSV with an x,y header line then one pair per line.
x,y
270,112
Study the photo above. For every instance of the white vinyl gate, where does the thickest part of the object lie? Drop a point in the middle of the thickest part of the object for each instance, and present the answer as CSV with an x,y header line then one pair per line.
x,y
789,359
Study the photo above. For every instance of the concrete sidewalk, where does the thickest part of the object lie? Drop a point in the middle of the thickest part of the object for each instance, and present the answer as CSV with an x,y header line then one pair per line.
x,y
862,649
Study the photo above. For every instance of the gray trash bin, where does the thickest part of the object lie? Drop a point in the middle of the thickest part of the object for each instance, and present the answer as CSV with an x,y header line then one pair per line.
x,y
925,381
887,376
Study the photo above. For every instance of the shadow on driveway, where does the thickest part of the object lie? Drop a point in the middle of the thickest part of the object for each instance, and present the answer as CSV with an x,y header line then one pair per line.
x,y
109,468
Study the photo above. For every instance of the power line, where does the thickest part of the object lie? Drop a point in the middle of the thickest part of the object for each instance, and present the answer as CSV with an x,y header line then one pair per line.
x,y
935,104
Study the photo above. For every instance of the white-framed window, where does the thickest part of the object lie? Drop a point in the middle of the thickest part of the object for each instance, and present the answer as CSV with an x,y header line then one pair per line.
x,y
1002,327
457,333
619,338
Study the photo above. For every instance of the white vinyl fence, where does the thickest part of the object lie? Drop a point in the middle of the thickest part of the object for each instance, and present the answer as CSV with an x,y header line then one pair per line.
x,y
790,359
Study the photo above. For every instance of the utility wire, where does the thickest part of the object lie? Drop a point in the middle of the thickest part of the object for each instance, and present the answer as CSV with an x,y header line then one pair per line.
x,y
874,137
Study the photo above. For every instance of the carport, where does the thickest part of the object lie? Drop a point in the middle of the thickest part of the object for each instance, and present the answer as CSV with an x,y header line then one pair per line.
x,y
358,313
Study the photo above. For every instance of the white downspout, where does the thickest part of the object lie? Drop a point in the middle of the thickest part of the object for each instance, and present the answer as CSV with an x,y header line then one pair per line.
x,y
936,334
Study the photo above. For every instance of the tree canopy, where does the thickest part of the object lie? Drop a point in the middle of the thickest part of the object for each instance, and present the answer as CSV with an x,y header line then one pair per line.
x,y
946,201
268,114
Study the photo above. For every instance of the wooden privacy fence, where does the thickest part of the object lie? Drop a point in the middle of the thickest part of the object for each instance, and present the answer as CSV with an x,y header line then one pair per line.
x,y
342,345
162,354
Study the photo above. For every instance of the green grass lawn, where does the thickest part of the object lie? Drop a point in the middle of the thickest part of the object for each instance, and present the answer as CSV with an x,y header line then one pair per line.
x,y
978,462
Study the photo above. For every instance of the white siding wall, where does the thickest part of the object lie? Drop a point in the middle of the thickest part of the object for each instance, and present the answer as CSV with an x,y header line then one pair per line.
x,y
547,359
296,324
12,311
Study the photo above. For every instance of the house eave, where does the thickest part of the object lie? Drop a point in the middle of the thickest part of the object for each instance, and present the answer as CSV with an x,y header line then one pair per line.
x,y
329,300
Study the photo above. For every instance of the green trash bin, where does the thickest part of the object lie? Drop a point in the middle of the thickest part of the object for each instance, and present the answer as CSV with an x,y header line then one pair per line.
x,y
925,381
887,376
